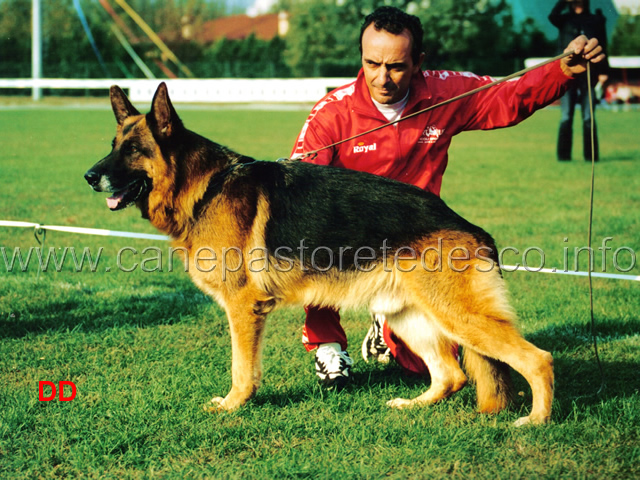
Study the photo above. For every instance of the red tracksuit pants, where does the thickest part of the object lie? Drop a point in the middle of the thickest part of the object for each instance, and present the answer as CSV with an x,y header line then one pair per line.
x,y
323,326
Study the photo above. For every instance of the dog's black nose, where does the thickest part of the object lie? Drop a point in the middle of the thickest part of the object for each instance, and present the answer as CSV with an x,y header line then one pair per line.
x,y
92,178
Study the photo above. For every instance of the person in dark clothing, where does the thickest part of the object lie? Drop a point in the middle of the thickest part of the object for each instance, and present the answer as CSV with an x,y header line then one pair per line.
x,y
573,18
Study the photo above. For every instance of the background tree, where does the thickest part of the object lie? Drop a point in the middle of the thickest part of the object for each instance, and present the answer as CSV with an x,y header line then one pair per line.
x,y
67,51
478,36
15,38
246,58
323,36
626,36
470,35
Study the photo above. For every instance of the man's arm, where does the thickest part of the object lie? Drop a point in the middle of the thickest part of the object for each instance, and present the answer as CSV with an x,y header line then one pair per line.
x,y
557,16
313,137
318,131
511,102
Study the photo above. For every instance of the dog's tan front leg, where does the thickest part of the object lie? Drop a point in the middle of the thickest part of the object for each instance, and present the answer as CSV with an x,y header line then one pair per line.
x,y
246,329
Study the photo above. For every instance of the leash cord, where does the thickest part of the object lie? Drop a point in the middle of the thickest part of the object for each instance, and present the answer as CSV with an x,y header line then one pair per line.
x,y
591,194
314,153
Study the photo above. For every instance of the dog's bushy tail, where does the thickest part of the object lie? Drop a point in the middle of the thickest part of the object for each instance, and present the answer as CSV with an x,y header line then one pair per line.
x,y
492,379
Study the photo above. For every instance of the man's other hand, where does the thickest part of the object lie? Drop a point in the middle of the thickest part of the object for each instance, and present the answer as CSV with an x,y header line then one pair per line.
x,y
585,50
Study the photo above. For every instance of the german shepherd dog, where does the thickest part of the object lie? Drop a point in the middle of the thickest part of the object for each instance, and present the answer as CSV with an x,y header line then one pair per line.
x,y
260,234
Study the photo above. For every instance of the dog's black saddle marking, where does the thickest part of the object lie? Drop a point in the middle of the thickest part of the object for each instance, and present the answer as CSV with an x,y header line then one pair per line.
x,y
216,183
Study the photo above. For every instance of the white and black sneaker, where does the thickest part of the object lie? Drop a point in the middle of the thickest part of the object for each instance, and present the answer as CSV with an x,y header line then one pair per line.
x,y
333,365
374,347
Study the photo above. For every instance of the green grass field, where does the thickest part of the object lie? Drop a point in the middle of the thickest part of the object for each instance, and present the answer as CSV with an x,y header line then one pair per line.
x,y
147,350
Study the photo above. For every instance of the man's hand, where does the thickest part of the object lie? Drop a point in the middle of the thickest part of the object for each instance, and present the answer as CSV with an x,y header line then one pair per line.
x,y
585,50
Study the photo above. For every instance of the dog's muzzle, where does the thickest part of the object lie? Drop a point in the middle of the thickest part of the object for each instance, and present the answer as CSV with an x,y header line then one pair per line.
x,y
124,195
93,179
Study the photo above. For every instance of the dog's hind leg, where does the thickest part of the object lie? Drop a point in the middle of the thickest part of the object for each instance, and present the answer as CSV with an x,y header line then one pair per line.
x,y
471,309
494,338
246,315
425,339
492,379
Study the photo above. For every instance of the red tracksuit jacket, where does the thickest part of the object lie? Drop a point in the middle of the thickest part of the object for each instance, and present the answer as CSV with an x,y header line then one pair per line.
x,y
413,151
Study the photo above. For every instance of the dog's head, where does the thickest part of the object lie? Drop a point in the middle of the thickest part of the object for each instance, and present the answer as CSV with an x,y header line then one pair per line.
x,y
136,160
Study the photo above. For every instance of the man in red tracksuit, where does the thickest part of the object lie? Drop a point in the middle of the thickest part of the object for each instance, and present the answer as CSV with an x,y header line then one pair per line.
x,y
391,85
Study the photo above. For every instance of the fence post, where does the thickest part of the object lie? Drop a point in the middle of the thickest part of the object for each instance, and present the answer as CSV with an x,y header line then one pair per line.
x,y
36,48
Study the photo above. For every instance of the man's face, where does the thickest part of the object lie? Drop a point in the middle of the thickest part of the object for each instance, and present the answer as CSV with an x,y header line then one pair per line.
x,y
578,6
387,64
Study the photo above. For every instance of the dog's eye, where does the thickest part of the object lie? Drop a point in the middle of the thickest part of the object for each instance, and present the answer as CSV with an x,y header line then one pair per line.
x,y
130,149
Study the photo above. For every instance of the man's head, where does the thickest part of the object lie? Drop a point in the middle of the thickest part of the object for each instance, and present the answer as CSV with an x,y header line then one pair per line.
x,y
391,47
579,6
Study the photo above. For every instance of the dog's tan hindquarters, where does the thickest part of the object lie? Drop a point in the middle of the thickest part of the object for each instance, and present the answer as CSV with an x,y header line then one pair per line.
x,y
470,307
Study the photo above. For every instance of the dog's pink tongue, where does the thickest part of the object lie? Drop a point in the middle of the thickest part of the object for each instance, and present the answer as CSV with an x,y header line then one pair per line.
x,y
113,202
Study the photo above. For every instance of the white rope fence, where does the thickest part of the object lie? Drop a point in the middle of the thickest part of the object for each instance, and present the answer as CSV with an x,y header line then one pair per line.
x,y
614,276
82,231
147,236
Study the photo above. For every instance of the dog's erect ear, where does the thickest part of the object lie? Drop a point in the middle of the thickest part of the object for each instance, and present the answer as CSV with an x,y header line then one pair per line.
x,y
163,117
121,105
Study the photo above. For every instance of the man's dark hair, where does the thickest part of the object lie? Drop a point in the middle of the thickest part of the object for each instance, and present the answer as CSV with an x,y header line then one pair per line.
x,y
394,21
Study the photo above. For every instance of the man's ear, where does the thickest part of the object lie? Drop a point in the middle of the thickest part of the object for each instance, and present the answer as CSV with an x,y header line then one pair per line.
x,y
122,107
164,119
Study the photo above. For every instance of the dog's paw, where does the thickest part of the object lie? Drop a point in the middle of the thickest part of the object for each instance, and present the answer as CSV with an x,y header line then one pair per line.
x,y
522,421
530,420
400,403
216,405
